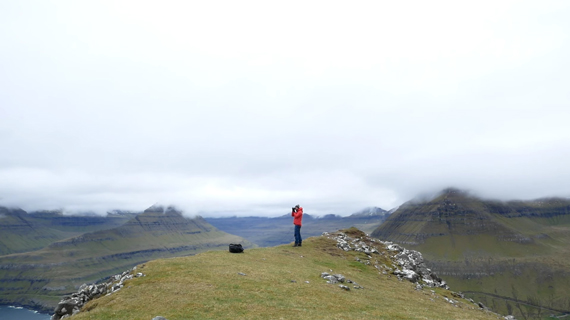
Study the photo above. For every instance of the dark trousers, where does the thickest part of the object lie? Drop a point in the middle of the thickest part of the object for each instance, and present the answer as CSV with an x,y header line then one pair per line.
x,y
298,239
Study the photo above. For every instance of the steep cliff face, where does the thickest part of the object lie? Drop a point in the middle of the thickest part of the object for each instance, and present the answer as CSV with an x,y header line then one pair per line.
x,y
540,208
40,277
505,252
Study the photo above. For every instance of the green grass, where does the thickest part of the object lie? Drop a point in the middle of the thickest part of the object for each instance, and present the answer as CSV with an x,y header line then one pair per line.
x,y
460,247
208,286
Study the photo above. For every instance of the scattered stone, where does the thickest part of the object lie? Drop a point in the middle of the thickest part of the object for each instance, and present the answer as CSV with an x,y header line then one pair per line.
x,y
242,274
344,287
159,318
334,278
409,263
509,317
306,281
294,281
481,305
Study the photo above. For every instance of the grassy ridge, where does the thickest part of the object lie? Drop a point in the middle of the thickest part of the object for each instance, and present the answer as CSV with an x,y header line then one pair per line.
x,y
208,286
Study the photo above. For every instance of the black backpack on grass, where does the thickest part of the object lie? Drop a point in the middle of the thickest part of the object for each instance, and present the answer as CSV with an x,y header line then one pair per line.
x,y
236,248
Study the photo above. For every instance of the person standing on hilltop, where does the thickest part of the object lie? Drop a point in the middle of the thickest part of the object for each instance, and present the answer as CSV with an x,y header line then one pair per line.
x,y
297,214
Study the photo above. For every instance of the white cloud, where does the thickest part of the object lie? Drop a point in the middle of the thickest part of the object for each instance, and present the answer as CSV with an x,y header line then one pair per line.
x,y
255,106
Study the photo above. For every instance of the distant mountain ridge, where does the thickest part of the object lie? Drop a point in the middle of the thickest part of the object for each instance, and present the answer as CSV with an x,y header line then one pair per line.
x,y
22,231
369,212
499,251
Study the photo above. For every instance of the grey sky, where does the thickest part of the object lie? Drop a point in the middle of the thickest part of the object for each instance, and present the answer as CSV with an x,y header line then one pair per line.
x,y
251,107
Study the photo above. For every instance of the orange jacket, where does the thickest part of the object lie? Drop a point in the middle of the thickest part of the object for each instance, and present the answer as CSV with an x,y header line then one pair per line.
x,y
298,216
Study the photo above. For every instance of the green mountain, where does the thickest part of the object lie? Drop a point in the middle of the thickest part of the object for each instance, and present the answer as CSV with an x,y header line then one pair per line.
x,y
514,256
41,277
22,232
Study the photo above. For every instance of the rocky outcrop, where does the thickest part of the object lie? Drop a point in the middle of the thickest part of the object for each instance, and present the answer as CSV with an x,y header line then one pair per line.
x,y
406,264
339,278
72,304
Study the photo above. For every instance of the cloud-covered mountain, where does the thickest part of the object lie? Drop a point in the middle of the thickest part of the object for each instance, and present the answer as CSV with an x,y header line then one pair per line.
x,y
496,251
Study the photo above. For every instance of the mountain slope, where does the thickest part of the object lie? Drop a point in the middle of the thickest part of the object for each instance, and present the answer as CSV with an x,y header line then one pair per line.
x,y
41,277
505,253
23,232
276,283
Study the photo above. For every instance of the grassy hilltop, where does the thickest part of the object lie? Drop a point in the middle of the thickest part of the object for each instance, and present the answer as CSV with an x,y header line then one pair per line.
x,y
279,283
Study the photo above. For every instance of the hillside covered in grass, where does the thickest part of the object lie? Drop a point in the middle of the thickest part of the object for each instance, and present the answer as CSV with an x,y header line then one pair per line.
x,y
280,282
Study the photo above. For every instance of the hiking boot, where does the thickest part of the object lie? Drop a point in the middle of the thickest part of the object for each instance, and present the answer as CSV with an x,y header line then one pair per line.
x,y
296,245
299,245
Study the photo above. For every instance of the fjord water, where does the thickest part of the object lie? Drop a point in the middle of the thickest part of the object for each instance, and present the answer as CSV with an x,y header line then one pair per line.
x,y
11,313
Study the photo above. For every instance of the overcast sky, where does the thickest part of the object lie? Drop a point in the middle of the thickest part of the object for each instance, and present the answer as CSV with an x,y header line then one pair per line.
x,y
248,108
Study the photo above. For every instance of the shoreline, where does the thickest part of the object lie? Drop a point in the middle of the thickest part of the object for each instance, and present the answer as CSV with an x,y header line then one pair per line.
x,y
35,308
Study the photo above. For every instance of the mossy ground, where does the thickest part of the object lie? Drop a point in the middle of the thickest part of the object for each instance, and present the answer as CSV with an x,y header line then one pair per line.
x,y
208,286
